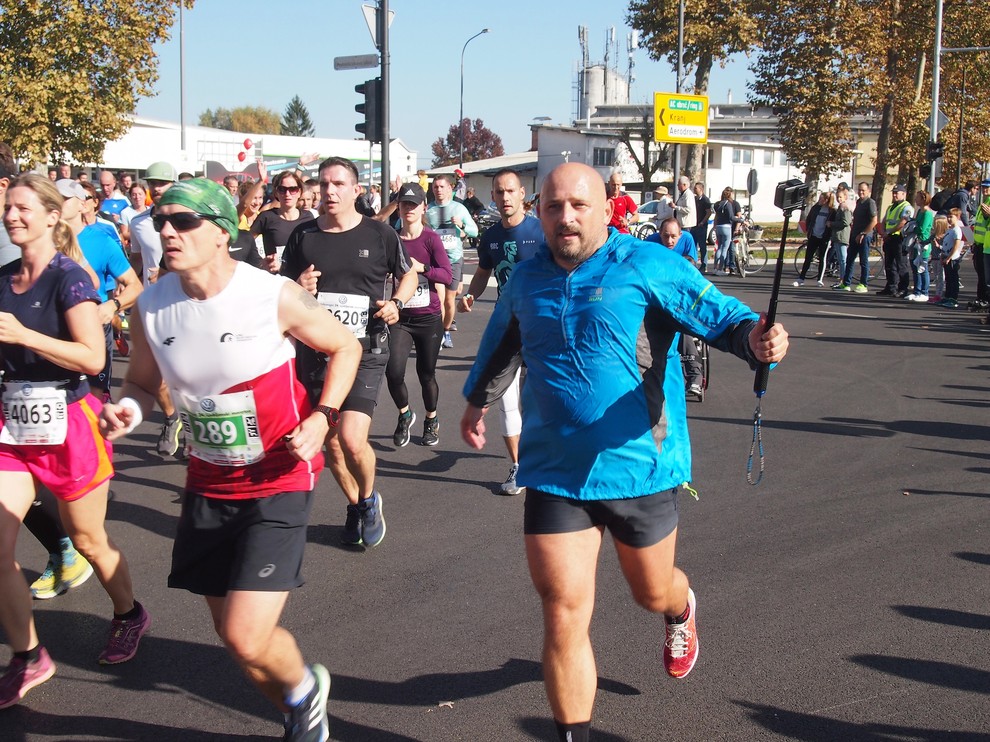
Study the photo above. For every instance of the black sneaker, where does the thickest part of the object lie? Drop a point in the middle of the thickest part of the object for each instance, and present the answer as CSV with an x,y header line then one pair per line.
x,y
885,292
352,527
308,722
401,435
431,431
372,520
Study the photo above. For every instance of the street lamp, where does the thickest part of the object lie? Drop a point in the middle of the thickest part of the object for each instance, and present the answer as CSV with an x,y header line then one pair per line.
x,y
460,120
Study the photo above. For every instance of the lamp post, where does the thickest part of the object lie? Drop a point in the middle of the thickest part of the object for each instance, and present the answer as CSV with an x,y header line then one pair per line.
x,y
460,120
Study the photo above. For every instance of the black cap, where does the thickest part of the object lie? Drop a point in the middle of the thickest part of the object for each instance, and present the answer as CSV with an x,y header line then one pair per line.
x,y
411,193
900,187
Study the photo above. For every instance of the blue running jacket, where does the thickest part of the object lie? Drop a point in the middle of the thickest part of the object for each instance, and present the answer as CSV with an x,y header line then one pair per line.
x,y
603,406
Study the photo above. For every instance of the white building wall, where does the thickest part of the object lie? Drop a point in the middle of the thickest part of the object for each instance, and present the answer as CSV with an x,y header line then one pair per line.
x,y
152,141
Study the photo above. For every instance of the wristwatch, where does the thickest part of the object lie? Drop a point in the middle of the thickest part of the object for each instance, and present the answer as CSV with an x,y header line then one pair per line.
x,y
399,304
116,303
332,414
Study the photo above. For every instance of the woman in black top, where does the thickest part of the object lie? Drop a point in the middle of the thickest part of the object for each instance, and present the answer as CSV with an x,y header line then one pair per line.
x,y
728,215
276,225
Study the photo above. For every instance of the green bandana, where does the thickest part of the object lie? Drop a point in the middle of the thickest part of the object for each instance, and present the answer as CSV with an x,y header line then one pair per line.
x,y
207,198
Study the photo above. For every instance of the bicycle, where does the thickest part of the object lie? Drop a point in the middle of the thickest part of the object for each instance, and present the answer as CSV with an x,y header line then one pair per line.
x,y
831,267
642,230
750,252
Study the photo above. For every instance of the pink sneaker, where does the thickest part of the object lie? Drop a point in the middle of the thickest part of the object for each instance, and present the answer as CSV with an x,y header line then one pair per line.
x,y
22,676
680,650
124,638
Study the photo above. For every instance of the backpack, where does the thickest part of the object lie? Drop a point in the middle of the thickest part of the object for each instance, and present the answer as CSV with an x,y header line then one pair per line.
x,y
939,199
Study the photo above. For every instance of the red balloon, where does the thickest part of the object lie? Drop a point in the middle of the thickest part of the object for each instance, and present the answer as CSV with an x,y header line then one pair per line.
x,y
241,157
247,144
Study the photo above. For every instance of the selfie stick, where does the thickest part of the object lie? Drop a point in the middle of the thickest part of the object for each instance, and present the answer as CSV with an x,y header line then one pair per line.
x,y
790,197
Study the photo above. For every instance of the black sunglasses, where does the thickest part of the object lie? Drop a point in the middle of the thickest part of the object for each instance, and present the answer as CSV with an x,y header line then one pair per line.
x,y
288,189
182,221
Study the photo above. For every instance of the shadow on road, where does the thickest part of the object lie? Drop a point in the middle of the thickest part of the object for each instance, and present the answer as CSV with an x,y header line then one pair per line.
x,y
945,616
801,726
943,674
973,556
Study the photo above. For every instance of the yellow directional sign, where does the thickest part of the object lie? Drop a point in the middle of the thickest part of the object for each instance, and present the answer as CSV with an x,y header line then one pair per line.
x,y
681,119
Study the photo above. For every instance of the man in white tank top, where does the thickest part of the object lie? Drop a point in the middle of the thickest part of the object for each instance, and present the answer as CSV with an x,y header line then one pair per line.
x,y
255,439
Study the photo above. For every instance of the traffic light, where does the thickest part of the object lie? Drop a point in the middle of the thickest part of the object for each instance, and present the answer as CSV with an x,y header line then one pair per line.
x,y
371,127
934,150
925,172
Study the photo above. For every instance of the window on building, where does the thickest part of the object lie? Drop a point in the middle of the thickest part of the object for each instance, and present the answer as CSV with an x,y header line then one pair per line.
x,y
715,157
742,156
783,159
768,157
603,157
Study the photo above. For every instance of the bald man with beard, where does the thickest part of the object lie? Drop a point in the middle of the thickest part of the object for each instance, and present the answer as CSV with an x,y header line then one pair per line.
x,y
604,439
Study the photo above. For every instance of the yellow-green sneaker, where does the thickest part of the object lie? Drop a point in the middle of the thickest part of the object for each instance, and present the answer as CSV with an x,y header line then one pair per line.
x,y
49,585
75,569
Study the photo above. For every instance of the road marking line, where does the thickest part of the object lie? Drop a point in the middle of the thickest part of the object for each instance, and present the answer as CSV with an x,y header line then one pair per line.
x,y
846,314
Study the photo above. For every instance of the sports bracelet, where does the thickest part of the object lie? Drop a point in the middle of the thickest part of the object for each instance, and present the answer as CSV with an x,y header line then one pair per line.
x,y
132,404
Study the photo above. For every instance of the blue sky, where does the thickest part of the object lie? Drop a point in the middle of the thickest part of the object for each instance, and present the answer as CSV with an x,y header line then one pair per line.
x,y
251,52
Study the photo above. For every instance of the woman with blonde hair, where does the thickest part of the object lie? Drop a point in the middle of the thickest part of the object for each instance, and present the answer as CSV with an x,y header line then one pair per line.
x,y
50,338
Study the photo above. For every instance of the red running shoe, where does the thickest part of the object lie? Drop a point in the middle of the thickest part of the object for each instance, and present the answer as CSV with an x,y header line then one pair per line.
x,y
123,349
680,650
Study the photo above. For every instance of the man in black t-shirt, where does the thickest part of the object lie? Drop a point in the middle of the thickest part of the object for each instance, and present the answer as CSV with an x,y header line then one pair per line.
x,y
864,221
345,259
703,208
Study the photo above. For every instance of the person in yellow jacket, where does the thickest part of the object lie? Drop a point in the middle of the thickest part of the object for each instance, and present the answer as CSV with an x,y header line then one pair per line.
x,y
895,262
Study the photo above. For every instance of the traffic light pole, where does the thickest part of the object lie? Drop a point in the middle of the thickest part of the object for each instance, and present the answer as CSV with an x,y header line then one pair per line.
x,y
384,108
936,79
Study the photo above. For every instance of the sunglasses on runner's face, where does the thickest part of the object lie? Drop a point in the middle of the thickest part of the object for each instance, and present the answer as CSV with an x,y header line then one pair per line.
x,y
182,221
288,189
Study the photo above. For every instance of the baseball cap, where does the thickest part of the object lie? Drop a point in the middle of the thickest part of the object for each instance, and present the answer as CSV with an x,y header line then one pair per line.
x,y
985,183
71,189
458,172
900,187
205,197
412,193
161,171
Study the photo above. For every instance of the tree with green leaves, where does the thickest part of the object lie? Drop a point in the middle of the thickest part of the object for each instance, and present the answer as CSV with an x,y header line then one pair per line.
x,y
296,121
72,70
713,32
252,119
480,143
809,75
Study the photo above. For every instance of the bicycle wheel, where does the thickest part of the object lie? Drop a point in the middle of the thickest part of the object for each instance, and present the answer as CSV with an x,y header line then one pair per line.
x,y
876,264
799,257
644,230
741,246
758,257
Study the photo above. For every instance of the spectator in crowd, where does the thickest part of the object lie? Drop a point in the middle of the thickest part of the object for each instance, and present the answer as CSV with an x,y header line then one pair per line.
x,y
921,251
728,218
623,207
895,262
703,209
819,221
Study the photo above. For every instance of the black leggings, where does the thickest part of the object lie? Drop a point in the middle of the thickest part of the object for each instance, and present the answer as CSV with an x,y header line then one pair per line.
x,y
43,521
426,332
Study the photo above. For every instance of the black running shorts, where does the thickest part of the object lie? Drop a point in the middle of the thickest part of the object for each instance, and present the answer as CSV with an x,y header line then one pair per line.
x,y
637,522
255,545
363,396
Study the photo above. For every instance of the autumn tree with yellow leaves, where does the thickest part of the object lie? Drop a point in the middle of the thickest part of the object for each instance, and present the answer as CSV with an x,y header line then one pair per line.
x,y
70,72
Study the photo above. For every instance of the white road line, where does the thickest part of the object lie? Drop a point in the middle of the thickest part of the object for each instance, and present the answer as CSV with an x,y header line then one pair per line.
x,y
846,314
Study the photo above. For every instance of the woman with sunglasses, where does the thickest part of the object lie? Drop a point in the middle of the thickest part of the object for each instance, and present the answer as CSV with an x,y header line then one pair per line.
x,y
50,338
276,225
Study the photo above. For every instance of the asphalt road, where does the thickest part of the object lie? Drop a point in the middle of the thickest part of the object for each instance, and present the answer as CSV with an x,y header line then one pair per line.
x,y
844,598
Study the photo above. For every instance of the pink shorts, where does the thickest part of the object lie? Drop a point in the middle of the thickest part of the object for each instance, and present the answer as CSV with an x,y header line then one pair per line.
x,y
71,469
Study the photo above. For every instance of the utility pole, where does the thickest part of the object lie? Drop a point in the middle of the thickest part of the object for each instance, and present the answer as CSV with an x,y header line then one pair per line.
x,y
383,49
